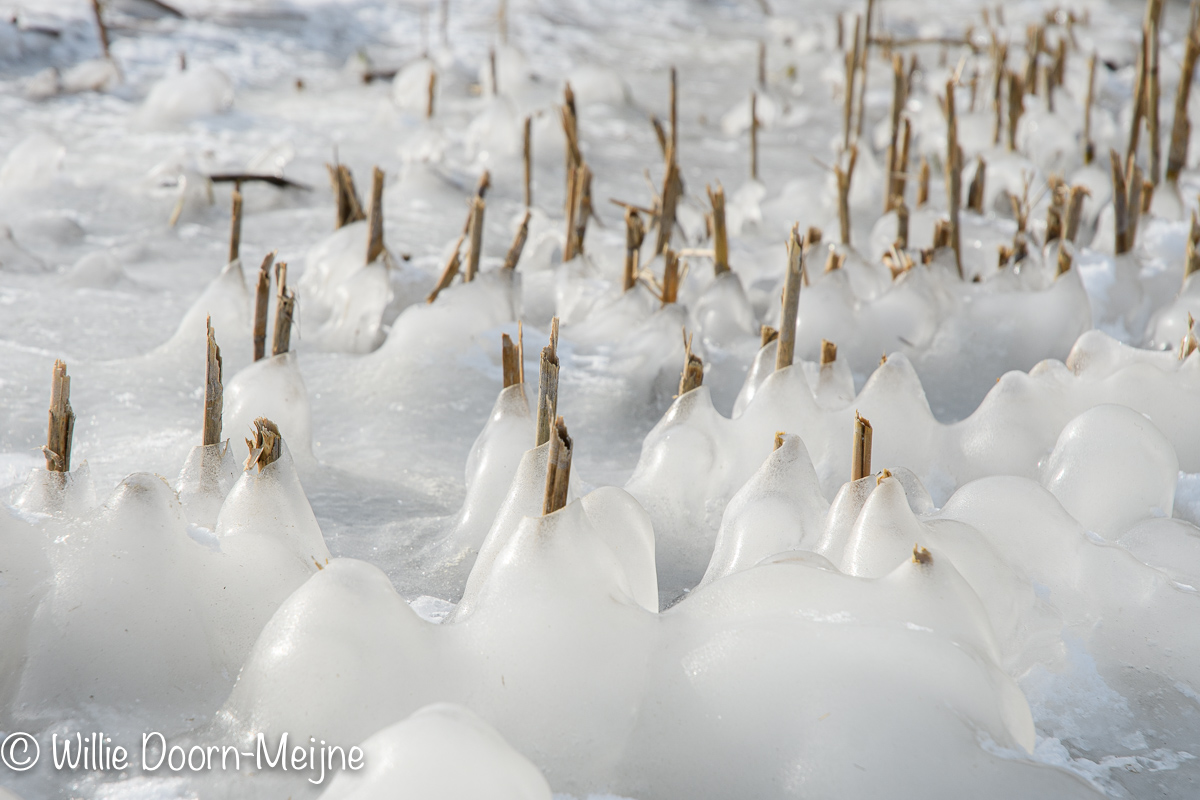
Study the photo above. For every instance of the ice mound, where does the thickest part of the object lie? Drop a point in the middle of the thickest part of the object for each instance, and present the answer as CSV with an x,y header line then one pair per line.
x,y
1111,468
170,617
547,612
272,387
441,752
198,91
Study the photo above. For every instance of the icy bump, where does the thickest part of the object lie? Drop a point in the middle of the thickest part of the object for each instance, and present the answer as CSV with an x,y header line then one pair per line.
x,y
199,91
441,752
348,645
272,387
1112,468
779,508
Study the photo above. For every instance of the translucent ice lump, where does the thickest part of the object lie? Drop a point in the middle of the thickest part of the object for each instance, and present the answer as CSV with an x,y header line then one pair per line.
x,y
441,752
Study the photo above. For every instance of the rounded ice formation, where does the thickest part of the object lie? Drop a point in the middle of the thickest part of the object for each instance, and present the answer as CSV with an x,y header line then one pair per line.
x,y
441,752
197,91
1111,468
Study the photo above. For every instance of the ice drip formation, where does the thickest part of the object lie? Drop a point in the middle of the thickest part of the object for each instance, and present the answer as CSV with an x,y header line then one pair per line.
x,y
681,400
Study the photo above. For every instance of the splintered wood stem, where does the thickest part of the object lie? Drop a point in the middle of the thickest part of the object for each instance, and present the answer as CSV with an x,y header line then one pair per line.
x,y
235,227
1192,263
1181,128
212,389
898,180
864,59
572,209
277,181
265,444
375,246
518,243
941,233
521,349
791,303
62,422
897,154
1057,210
953,175
98,12
349,207
976,190
762,65
570,124
1189,343
1000,58
477,209
1074,211
1139,99
285,305
509,361
485,181
901,225
674,111
1089,147
834,261
583,205
844,176
923,174
670,284
1120,206
558,469
828,352
754,136
262,297
693,368
548,386
1136,188
528,153
660,134
1153,93
852,56
634,235
355,204
768,335
1035,38
672,189
720,237
860,463
432,92
335,181
449,272
1071,227
1016,107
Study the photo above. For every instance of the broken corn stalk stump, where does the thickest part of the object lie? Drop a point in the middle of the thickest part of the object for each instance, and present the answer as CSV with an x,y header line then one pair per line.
x,y
61,427
558,469
860,465
262,297
791,303
548,387
213,393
